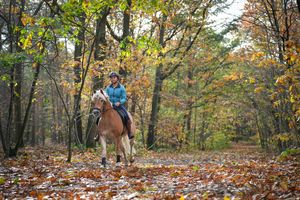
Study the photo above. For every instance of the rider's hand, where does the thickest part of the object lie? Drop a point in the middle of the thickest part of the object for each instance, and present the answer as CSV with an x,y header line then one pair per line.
x,y
117,104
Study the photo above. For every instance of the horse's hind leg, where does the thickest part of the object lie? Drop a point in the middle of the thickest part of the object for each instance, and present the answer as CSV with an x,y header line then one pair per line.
x,y
121,149
124,152
118,151
131,157
103,144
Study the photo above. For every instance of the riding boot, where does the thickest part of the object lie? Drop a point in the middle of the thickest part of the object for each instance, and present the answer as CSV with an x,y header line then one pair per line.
x,y
130,135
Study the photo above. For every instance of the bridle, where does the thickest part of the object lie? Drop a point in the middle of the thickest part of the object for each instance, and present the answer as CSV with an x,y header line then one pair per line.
x,y
97,112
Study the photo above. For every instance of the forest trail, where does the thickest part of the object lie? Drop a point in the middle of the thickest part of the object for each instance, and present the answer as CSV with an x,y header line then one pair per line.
x,y
241,172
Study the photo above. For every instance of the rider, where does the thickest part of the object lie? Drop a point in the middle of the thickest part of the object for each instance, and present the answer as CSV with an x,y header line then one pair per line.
x,y
117,96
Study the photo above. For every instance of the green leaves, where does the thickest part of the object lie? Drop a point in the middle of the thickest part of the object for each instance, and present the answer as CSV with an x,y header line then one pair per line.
x,y
8,60
2,180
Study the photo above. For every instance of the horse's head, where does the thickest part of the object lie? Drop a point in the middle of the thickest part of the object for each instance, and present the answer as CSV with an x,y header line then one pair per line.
x,y
99,99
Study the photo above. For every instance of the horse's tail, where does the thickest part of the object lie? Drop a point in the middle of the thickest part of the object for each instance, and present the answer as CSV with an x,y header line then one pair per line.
x,y
126,145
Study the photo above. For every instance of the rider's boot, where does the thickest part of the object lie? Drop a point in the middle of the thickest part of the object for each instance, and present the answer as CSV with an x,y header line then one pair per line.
x,y
130,134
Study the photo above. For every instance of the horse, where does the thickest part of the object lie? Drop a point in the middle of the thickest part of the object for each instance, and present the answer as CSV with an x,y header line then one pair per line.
x,y
110,125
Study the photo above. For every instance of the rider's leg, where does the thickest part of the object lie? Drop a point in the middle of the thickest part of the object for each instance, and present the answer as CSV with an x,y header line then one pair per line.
x,y
130,135
128,122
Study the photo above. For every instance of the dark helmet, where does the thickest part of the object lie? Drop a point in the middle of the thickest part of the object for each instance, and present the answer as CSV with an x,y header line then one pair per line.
x,y
111,74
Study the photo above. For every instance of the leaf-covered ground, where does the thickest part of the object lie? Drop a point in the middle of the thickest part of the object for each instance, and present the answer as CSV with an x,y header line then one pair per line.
x,y
238,173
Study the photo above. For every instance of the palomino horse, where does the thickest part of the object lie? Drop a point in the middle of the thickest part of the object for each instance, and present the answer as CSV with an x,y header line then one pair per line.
x,y
110,126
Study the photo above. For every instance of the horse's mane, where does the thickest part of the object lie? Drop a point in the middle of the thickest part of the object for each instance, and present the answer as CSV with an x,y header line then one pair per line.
x,y
100,94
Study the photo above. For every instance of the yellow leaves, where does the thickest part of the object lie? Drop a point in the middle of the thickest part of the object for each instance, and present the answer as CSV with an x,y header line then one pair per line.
x,y
40,45
276,103
226,197
267,63
86,4
34,65
283,137
252,80
259,89
27,42
65,84
292,58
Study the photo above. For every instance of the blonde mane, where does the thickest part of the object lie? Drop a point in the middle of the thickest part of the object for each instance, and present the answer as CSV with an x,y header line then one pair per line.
x,y
100,95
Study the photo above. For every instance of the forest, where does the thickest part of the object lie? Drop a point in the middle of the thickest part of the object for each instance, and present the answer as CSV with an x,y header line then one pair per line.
x,y
213,101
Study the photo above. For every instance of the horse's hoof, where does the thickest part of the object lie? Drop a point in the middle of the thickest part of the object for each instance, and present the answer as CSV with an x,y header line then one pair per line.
x,y
103,162
131,159
131,142
118,164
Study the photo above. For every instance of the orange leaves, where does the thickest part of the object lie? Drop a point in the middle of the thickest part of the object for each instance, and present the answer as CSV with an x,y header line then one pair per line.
x,y
91,174
190,81
26,19
281,80
257,55
234,76
240,173
259,89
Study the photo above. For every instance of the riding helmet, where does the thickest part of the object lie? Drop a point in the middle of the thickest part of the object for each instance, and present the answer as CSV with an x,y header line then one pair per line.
x,y
111,74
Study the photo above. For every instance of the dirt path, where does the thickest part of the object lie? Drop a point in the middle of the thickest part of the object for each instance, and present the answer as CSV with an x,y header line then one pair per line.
x,y
238,173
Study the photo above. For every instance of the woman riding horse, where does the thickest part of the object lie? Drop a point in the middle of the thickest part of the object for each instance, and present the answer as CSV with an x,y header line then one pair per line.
x,y
117,96
110,123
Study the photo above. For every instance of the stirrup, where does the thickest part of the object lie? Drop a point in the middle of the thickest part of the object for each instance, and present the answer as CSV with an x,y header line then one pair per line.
x,y
96,138
130,137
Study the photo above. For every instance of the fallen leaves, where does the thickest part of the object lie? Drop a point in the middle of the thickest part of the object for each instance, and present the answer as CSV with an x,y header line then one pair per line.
x,y
235,174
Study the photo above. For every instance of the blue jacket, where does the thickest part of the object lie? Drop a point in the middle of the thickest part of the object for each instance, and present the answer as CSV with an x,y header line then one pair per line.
x,y
117,94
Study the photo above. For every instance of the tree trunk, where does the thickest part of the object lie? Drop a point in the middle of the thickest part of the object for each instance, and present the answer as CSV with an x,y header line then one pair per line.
x,y
33,125
195,127
14,151
1,42
2,138
99,55
54,121
42,129
18,81
77,79
126,28
155,108
156,92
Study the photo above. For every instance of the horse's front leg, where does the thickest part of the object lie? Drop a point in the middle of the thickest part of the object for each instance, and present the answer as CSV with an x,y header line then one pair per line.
x,y
103,144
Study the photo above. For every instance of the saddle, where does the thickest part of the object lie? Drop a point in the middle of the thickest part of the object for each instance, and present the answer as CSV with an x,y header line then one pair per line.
x,y
122,115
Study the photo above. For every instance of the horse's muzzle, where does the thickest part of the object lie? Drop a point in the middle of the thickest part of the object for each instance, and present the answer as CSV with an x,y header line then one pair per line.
x,y
96,112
